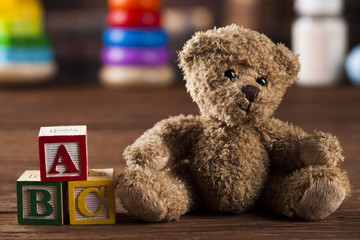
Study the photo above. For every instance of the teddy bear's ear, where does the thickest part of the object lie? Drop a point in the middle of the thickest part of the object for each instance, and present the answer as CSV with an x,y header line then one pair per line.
x,y
185,58
199,44
186,55
284,57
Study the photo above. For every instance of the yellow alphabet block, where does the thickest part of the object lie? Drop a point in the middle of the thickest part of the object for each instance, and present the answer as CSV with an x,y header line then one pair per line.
x,y
92,201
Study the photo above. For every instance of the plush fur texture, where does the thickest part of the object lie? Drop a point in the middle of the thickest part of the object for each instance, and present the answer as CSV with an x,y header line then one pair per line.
x,y
235,154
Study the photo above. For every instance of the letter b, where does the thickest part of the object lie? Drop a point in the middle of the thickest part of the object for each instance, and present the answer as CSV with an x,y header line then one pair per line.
x,y
35,202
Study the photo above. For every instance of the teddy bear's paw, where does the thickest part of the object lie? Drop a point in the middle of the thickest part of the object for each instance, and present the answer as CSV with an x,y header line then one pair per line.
x,y
143,205
152,195
321,149
153,155
321,199
138,199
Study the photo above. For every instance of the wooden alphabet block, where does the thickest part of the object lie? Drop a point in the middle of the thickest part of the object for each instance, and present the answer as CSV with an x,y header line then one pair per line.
x,y
38,203
92,201
63,153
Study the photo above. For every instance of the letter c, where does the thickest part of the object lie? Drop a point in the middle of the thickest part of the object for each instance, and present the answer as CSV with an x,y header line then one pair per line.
x,y
82,205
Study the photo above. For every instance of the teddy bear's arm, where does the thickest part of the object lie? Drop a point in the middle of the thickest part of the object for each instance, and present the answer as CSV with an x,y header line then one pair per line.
x,y
168,140
291,148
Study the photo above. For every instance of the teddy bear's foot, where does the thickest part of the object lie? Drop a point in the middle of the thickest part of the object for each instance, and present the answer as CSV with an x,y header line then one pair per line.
x,y
320,200
152,195
311,193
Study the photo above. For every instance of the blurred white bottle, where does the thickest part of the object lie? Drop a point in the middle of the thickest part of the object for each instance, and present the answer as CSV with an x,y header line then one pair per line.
x,y
319,36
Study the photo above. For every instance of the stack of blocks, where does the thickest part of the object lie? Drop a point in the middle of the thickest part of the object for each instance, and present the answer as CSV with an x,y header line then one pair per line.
x,y
136,47
41,195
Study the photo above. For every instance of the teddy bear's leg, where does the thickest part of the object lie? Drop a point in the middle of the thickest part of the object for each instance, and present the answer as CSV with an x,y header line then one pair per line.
x,y
153,195
311,193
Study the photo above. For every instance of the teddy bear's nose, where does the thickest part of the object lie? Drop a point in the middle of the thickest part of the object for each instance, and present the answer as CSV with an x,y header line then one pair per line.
x,y
251,92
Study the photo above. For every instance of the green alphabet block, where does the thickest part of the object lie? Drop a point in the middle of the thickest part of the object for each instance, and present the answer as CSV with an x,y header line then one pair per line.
x,y
39,203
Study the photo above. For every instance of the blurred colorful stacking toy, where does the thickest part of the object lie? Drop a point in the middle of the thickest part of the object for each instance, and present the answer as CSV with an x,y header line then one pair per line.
x,y
25,53
136,51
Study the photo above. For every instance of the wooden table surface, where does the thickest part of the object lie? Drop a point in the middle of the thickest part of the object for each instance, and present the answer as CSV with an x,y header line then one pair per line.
x,y
116,117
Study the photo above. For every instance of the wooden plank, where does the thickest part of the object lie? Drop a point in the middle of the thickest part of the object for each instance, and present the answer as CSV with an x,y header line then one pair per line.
x,y
193,226
125,108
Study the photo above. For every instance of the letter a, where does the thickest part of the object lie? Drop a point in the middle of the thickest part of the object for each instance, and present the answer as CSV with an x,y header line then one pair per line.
x,y
67,161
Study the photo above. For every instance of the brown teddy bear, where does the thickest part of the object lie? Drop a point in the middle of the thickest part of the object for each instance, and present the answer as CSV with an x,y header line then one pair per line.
x,y
235,154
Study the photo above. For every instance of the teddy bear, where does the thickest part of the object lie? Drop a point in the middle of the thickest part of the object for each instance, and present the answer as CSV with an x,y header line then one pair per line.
x,y
235,154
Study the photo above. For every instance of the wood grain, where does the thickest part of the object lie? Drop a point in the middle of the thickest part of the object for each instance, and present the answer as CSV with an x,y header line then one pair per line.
x,y
115,118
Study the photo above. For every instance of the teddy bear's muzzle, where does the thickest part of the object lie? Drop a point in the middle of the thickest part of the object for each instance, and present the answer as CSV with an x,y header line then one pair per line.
x,y
251,92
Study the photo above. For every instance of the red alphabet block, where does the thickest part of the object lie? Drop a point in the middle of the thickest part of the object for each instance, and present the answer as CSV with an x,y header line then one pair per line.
x,y
63,153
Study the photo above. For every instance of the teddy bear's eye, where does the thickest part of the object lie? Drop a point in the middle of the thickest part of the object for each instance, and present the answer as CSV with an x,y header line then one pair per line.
x,y
262,81
230,74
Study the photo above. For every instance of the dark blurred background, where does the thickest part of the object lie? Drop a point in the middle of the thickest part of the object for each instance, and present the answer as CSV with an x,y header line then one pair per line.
x,y
76,26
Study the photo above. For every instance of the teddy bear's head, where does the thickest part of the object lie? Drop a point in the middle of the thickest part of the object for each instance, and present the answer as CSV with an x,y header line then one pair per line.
x,y
237,75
